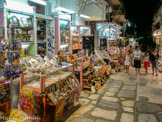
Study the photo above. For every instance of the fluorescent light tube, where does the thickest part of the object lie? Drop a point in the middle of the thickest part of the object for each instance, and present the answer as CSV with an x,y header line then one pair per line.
x,y
85,16
18,7
64,10
39,2
25,45
19,16
64,45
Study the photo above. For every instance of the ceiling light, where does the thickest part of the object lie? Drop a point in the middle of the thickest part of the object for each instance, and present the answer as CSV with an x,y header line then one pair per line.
x,y
64,10
19,16
39,2
18,6
25,45
64,45
85,16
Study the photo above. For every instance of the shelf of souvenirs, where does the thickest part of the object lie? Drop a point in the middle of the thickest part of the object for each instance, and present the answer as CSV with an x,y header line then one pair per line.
x,y
60,86
96,78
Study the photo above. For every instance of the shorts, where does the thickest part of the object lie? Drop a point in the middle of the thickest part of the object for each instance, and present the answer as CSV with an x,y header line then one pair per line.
x,y
137,63
146,64
154,64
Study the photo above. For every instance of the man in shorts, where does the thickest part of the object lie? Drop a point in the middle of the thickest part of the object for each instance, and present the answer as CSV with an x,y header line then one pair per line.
x,y
137,55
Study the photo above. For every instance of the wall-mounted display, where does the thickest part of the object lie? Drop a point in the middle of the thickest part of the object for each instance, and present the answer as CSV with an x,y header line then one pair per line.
x,y
24,31
41,37
75,34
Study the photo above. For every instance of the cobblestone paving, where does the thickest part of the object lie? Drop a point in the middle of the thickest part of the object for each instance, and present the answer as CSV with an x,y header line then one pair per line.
x,y
124,98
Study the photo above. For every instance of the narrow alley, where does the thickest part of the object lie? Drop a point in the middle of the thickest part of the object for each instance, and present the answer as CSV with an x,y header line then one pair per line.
x,y
124,98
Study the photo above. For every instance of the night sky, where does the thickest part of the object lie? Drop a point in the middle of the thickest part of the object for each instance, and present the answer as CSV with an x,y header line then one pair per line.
x,y
141,12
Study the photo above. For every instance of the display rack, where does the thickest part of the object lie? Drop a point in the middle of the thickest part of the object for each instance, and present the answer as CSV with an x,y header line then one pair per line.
x,y
12,68
79,68
41,37
61,88
24,30
63,33
75,33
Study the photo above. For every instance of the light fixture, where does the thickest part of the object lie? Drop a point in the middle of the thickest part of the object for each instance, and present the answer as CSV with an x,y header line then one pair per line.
x,y
19,16
64,45
18,6
25,45
85,16
39,2
64,10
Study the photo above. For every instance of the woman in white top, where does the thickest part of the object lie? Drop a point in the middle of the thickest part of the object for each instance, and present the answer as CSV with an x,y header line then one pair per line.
x,y
127,61
137,55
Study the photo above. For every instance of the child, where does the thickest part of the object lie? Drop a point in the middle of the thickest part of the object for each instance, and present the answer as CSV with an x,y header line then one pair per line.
x,y
146,62
127,61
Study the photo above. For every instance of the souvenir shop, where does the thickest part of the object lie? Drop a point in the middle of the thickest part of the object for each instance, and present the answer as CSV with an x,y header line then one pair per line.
x,y
45,62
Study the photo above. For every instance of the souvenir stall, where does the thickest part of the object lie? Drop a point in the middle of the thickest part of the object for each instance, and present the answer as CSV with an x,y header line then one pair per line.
x,y
63,33
47,89
92,73
24,30
45,36
36,31
115,63
10,68
107,33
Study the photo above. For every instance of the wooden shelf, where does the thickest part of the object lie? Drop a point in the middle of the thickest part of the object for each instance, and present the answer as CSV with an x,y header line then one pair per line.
x,y
87,73
28,42
86,80
86,87
25,28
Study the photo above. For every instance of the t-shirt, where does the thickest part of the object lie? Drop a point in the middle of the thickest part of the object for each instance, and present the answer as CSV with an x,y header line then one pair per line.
x,y
137,54
146,58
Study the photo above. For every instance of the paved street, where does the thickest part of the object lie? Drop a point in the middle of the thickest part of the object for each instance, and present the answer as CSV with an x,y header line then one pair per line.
x,y
124,98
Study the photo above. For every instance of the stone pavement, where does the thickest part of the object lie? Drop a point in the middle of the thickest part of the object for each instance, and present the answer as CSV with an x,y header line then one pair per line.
x,y
124,98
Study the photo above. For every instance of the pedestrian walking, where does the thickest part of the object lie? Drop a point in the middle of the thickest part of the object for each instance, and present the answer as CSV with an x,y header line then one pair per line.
x,y
154,61
137,55
146,62
127,61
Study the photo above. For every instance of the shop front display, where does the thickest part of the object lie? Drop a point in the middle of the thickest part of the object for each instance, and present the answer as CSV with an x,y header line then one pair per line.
x,y
75,33
58,90
63,33
24,31
10,51
41,37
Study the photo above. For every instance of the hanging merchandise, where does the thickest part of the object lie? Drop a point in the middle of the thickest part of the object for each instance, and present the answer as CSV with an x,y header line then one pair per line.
x,y
10,53
50,39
